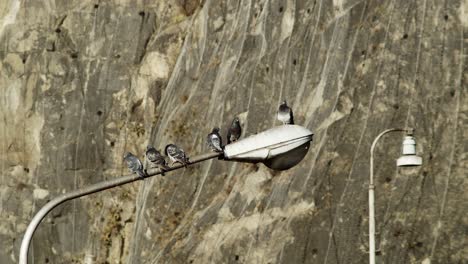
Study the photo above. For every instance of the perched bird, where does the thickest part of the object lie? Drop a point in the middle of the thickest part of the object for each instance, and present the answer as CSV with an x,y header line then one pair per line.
x,y
235,131
214,140
156,159
176,154
134,164
285,114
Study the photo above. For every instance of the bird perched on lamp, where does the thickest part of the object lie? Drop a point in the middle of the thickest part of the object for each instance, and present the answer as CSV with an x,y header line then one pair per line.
x,y
285,114
134,164
234,131
176,154
155,158
214,140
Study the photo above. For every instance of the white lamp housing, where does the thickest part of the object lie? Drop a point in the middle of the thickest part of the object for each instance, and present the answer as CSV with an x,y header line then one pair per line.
x,y
408,154
279,148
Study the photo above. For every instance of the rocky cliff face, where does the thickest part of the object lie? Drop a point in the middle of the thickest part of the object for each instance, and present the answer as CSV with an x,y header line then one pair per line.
x,y
84,81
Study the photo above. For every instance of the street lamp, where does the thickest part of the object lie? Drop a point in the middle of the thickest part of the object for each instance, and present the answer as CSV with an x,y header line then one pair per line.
x,y
408,158
278,148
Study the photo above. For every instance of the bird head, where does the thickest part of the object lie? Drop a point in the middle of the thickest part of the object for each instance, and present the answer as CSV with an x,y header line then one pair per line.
x,y
215,130
168,146
127,154
284,103
149,147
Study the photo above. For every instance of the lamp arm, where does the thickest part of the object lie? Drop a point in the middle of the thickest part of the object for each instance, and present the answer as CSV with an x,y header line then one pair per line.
x,y
97,187
374,143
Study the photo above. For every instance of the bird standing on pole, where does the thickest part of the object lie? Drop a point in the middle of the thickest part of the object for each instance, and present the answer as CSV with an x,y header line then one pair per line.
x,y
134,164
214,140
234,131
285,114
155,158
176,154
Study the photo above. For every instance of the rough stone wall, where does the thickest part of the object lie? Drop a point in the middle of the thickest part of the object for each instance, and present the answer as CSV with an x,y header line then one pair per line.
x,y
81,82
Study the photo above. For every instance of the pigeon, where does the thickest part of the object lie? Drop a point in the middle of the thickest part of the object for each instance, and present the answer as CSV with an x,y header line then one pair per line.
x,y
214,140
285,114
134,164
155,158
234,131
176,154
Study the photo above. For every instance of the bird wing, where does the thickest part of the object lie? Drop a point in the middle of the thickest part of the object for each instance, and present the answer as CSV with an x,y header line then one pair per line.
x,y
176,153
215,141
134,164
228,136
291,117
160,160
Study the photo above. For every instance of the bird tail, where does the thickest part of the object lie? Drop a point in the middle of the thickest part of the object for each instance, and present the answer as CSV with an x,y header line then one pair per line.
x,y
142,173
164,168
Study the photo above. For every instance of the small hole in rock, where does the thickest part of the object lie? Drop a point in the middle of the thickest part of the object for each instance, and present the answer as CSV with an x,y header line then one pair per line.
x,y
46,260
236,257
99,112
96,5
452,92
112,144
388,179
280,9
446,17
308,10
405,36
141,13
74,55
294,62
26,169
267,69
58,30
314,251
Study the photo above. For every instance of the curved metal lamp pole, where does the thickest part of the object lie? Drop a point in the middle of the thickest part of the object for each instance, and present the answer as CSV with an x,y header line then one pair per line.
x,y
371,195
408,158
23,257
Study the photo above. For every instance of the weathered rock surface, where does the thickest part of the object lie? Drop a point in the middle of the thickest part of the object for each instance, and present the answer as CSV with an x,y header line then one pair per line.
x,y
81,82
